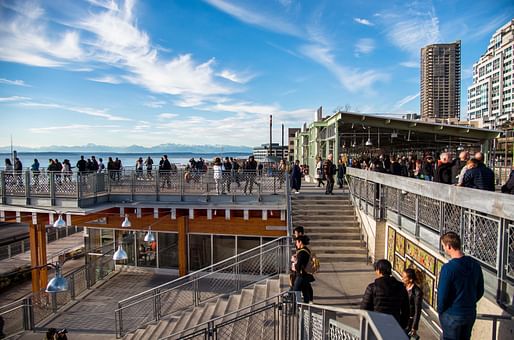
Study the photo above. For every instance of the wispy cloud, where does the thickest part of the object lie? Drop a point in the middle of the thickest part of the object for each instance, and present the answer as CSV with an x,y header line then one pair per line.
x,y
13,99
241,78
353,80
364,46
100,113
413,27
410,64
106,79
29,39
406,100
74,127
154,103
267,21
165,116
488,28
13,82
362,21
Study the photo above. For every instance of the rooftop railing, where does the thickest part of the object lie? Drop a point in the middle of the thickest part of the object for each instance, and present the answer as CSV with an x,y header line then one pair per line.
x,y
426,210
87,188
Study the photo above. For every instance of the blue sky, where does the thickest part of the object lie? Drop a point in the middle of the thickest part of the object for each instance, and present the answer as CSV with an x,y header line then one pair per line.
x,y
211,72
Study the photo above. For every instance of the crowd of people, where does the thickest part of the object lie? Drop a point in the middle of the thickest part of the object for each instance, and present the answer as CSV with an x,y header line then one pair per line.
x,y
460,286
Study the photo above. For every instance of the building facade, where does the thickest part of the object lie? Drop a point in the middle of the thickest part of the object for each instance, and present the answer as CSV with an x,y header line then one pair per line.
x,y
490,100
291,133
440,82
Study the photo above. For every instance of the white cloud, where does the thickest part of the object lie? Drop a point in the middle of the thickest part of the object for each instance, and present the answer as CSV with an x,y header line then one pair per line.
x,y
13,99
154,102
75,127
30,42
353,80
406,100
236,78
164,116
413,27
362,21
410,64
267,21
101,113
106,79
13,82
364,46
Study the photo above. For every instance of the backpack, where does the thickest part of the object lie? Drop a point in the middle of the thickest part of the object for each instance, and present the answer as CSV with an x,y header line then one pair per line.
x,y
313,265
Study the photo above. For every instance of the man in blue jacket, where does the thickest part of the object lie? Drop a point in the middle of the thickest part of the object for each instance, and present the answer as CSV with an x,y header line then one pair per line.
x,y
461,285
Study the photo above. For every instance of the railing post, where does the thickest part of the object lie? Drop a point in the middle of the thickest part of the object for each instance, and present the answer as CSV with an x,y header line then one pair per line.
x,y
181,183
157,190
51,178
398,205
72,286
27,187
132,184
416,207
120,320
53,301
155,302
502,258
28,314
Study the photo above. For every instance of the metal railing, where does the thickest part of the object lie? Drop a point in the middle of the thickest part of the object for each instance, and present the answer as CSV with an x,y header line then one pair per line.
x,y
84,186
24,314
484,220
225,277
364,235
282,317
19,247
496,322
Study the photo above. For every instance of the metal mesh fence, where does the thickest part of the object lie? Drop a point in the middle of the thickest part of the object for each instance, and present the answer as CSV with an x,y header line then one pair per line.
x,y
40,183
408,205
480,237
510,250
12,316
429,212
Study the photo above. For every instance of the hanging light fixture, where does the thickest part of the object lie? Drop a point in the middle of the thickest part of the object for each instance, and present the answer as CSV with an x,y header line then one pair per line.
x,y
58,283
60,223
120,254
126,222
368,142
149,237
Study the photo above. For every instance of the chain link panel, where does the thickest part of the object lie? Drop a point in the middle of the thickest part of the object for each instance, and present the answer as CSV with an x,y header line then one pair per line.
x,y
480,237
429,212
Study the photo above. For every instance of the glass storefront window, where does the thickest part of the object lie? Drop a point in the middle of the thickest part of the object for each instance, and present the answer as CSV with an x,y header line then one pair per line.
x,y
127,240
223,247
199,251
146,251
246,243
168,250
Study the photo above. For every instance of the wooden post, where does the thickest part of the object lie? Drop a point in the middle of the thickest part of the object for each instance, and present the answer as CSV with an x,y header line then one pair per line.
x,y
43,273
34,257
183,223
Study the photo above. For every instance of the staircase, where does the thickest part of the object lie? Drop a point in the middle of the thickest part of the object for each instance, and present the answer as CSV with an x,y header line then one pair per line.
x,y
211,310
330,223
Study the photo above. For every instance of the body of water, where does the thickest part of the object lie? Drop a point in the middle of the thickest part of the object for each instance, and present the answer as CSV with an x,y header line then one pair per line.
x,y
128,159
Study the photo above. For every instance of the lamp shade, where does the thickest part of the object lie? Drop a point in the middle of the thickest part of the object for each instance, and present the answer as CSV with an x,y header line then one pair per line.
x,y
368,143
58,283
126,223
60,223
149,237
120,254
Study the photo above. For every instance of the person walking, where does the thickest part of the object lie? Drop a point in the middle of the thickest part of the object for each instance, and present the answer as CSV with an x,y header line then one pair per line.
x,y
303,279
296,177
319,171
341,171
461,285
387,295
218,175
329,170
250,171
412,281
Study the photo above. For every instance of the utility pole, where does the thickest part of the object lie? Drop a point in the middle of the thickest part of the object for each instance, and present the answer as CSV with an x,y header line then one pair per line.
x,y
283,141
270,133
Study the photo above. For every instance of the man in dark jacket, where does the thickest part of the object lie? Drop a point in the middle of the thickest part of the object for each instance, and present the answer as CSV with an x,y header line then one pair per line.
x,y
461,285
329,172
458,165
81,164
387,295
443,173
478,176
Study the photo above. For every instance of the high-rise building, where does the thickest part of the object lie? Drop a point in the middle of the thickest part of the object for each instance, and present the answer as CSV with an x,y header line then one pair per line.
x,y
440,82
490,97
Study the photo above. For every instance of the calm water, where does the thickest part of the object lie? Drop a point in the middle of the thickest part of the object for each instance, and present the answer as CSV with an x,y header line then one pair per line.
x,y
128,159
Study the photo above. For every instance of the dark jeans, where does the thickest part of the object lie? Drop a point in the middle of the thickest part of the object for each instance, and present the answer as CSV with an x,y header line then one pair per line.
x,y
456,327
330,185
302,284
340,182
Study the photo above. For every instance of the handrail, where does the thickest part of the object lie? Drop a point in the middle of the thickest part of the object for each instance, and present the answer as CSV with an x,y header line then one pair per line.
x,y
352,197
225,276
289,206
227,316
200,270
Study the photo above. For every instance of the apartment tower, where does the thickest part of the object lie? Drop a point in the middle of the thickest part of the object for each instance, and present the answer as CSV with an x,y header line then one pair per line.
x,y
490,97
440,82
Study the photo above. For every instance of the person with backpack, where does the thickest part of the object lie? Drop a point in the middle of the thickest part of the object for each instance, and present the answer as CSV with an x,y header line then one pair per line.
x,y
304,277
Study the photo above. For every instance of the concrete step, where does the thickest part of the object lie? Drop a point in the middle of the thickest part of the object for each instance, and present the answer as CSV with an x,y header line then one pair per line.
x,y
330,230
335,236
317,223
321,203
318,215
314,244
341,258
338,250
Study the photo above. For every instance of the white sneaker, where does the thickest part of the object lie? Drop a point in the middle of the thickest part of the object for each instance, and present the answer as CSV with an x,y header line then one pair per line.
x,y
297,192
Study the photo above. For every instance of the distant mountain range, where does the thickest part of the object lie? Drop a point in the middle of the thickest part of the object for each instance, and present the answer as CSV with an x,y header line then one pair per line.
x,y
161,148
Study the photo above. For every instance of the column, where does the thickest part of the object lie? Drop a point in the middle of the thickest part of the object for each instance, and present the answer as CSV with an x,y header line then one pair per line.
x,y
183,224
